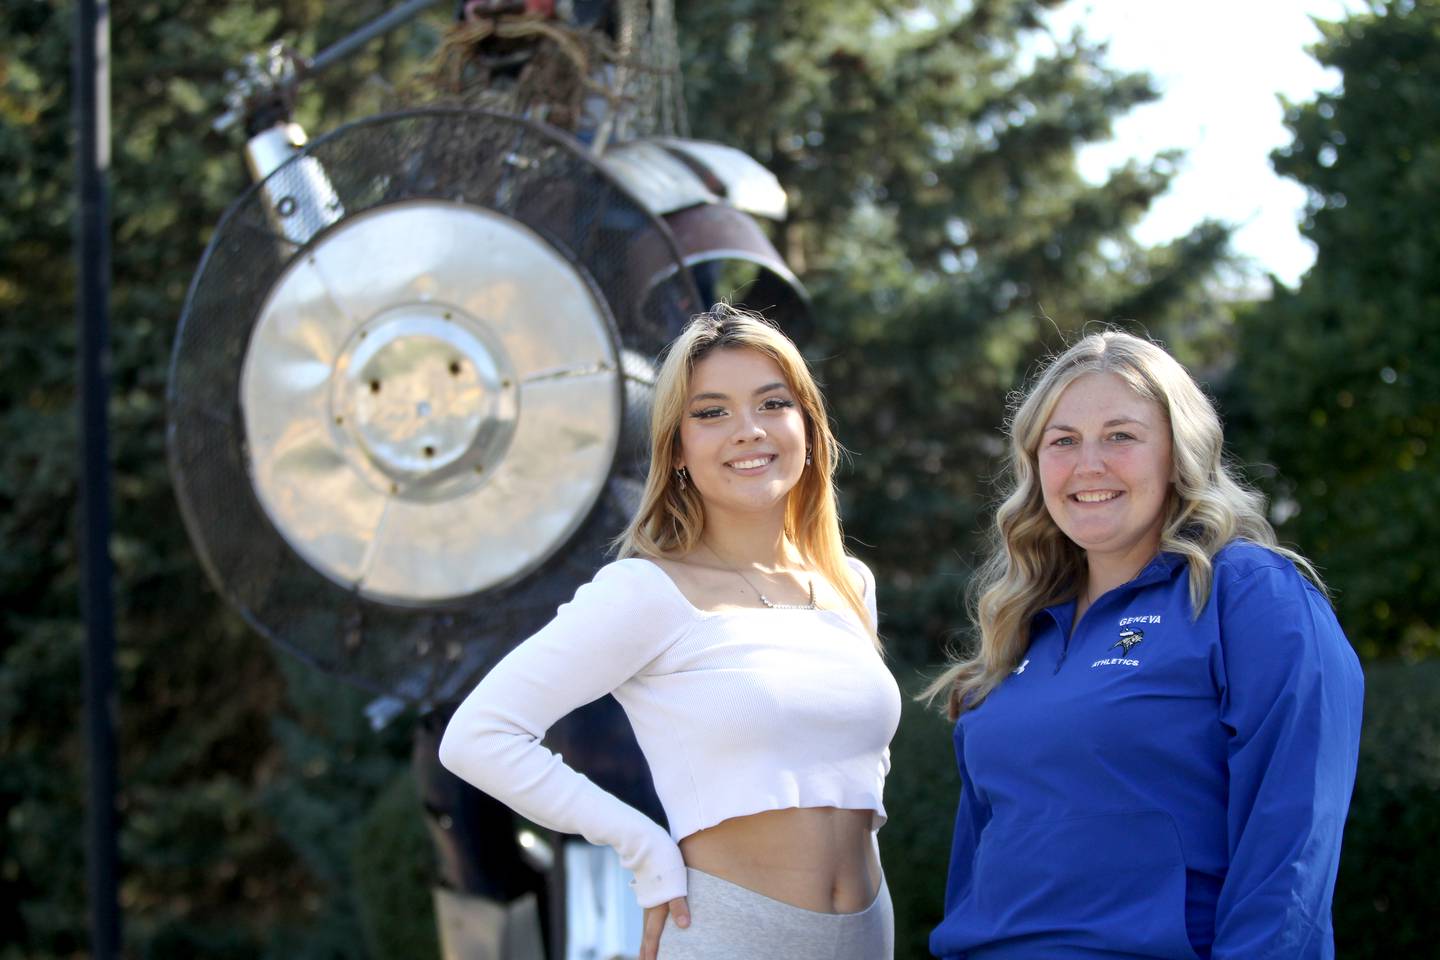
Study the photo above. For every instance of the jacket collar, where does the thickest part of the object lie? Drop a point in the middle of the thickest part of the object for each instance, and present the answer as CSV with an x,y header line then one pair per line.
x,y
1162,567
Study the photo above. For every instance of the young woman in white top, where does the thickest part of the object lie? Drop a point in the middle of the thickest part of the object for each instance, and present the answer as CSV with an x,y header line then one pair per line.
x,y
740,639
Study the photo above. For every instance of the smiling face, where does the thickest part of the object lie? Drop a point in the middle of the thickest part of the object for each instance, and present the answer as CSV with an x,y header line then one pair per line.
x,y
742,437
1105,471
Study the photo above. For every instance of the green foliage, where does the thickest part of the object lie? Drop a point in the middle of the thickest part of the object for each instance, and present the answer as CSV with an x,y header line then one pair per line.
x,y
920,795
333,770
1383,902
207,870
937,218
939,222
394,869
1388,868
1338,382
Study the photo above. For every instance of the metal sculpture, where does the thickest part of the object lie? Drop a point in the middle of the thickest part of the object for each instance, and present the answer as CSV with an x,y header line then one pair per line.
x,y
410,388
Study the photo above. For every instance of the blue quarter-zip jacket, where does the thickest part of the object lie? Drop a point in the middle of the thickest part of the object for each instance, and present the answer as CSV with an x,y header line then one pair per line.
x,y
1159,785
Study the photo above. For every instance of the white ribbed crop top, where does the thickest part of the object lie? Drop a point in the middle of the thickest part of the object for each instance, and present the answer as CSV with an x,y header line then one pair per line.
x,y
737,711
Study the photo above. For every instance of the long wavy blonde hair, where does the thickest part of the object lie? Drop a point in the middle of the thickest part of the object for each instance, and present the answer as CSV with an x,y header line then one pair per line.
x,y
1032,564
671,519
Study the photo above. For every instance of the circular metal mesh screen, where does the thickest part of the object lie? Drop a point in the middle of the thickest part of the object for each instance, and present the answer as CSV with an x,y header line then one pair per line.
x,y
510,168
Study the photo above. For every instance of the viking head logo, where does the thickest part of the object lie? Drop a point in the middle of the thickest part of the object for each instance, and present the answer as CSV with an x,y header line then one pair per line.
x,y
1128,638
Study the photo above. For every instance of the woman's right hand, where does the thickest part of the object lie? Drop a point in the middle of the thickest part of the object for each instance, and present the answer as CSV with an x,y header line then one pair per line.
x,y
677,910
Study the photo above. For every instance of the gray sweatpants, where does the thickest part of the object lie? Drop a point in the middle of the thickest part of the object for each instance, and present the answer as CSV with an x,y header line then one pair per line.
x,y
730,922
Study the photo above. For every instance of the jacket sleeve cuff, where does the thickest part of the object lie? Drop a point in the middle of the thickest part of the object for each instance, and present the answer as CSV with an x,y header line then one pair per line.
x,y
660,878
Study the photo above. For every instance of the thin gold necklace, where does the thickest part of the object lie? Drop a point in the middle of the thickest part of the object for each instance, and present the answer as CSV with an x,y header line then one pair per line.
x,y
769,604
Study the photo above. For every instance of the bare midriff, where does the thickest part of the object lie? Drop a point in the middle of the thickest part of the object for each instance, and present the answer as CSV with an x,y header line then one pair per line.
x,y
817,858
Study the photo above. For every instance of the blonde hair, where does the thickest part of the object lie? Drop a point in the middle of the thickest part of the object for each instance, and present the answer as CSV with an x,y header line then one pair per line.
x,y
670,519
1032,564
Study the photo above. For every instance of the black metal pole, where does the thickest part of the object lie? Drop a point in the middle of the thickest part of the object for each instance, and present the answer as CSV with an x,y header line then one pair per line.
x,y
382,24
91,84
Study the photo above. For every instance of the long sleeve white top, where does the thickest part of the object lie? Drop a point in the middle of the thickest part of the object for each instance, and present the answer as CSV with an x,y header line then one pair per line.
x,y
737,711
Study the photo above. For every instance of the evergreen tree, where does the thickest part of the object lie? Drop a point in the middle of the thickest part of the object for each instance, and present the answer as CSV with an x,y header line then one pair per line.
x,y
207,773
1338,381
1337,389
938,219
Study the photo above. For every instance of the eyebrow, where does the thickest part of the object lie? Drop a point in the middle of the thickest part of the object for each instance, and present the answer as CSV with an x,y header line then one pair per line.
x,y
777,385
1118,421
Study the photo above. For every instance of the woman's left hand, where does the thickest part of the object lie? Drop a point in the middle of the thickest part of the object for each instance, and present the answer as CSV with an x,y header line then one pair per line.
x,y
677,910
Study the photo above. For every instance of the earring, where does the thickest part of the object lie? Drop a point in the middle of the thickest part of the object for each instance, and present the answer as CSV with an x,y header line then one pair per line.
x,y
682,475
807,456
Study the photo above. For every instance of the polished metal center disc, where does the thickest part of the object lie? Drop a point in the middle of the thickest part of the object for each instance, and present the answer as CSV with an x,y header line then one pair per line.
x,y
423,403
432,401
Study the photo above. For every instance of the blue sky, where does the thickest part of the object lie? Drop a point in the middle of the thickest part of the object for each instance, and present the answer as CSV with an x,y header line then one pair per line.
x,y
1222,65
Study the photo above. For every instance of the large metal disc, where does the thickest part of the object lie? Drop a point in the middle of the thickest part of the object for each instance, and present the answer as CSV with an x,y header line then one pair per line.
x,y
409,392
431,400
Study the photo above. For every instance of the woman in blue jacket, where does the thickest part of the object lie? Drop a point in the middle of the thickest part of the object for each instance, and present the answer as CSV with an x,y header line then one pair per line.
x,y
1157,732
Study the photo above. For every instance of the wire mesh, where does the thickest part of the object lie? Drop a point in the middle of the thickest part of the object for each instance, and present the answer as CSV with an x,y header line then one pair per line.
x,y
517,168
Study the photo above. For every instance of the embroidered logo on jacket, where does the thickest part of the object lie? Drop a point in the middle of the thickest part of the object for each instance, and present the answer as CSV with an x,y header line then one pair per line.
x,y
1129,638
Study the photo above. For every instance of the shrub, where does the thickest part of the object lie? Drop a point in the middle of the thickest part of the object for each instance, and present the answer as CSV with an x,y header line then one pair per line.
x,y
1384,897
